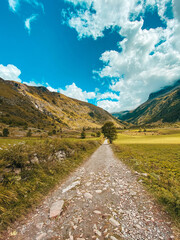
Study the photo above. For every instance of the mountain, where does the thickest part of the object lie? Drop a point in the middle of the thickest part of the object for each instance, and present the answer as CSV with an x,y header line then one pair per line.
x,y
120,115
22,105
163,105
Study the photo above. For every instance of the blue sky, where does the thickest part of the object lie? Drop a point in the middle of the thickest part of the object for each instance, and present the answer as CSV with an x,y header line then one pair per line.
x,y
110,53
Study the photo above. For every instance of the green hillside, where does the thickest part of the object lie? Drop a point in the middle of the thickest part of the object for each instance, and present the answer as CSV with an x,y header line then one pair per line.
x,y
22,105
163,106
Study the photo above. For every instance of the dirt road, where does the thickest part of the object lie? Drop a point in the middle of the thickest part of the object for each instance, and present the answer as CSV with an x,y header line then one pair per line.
x,y
102,200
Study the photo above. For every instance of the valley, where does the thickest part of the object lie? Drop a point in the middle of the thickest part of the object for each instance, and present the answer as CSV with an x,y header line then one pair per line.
x,y
43,151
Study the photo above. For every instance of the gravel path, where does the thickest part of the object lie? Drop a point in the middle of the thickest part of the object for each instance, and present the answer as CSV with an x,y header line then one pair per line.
x,y
101,200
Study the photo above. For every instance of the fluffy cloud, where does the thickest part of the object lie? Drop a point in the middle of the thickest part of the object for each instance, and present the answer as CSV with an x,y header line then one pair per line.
x,y
10,72
28,22
106,14
75,92
107,95
147,60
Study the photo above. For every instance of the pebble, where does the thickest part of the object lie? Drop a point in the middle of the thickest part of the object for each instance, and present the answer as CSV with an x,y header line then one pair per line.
x,y
97,212
98,232
88,195
114,222
98,191
113,238
88,184
41,236
74,184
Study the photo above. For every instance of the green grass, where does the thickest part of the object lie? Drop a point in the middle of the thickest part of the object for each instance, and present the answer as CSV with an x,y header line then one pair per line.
x,y
21,191
5,142
148,139
159,157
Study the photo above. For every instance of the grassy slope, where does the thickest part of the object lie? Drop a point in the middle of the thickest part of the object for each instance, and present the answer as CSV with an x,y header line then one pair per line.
x,y
165,108
159,157
20,104
21,191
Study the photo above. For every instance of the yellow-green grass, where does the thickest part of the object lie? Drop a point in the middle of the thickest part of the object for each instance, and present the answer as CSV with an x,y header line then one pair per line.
x,y
158,157
20,191
9,142
5,142
148,139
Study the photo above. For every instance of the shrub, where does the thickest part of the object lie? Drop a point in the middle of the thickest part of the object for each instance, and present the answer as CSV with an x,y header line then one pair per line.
x,y
5,132
29,133
83,134
98,134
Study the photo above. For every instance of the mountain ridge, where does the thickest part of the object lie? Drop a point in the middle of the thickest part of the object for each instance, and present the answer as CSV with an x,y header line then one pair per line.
x,y
22,105
162,106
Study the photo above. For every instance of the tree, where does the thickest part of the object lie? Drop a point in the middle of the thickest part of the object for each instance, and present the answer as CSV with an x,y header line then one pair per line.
x,y
109,131
5,132
98,134
29,133
83,134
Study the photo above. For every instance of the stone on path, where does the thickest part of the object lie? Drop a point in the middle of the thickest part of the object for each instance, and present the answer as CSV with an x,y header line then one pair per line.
x,y
113,238
97,232
98,191
41,236
88,196
114,222
74,184
88,184
97,212
56,208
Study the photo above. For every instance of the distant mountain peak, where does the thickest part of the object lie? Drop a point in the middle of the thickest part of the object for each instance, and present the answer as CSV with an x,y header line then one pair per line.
x,y
164,90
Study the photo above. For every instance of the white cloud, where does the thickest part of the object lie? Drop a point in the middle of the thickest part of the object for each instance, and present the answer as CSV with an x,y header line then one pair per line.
x,y
10,72
75,92
51,89
176,7
107,14
147,59
28,22
13,4
107,95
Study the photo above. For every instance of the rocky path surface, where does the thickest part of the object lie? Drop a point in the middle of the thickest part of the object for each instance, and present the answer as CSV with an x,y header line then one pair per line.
x,y
101,200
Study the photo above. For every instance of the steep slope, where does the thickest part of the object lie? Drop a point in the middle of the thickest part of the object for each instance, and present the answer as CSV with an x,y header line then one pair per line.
x,y
22,105
163,105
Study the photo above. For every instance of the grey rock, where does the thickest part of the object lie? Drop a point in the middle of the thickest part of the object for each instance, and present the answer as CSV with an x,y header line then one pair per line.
x,y
41,236
88,196
114,222
56,208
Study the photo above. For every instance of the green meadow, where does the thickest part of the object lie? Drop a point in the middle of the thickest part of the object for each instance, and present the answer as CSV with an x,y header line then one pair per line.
x,y
157,137
156,160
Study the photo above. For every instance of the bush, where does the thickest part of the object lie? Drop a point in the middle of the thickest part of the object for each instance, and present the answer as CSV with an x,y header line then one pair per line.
x,y
98,134
29,133
53,131
5,132
83,134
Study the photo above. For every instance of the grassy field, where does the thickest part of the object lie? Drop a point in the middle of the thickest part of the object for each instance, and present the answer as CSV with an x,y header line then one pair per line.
x,y
149,137
158,156
30,170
